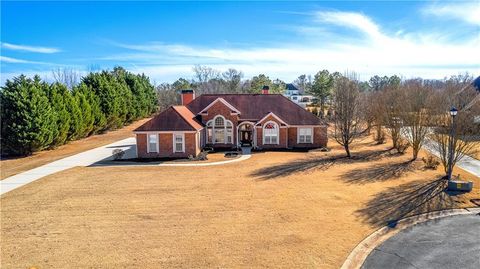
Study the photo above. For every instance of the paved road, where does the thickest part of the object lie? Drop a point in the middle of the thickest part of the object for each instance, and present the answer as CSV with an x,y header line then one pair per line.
x,y
450,242
467,163
85,158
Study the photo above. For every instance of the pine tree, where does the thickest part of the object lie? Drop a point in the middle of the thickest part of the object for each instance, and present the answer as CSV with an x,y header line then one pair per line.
x,y
58,95
86,127
27,117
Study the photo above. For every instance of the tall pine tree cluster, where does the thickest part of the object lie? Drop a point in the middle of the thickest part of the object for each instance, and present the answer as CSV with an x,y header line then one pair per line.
x,y
36,115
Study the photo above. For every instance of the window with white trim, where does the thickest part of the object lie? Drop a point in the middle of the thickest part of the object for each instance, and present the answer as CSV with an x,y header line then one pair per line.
x,y
152,143
220,131
229,132
179,142
270,133
305,135
209,132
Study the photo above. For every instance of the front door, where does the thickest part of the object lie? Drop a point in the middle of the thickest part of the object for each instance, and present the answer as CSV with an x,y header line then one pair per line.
x,y
246,135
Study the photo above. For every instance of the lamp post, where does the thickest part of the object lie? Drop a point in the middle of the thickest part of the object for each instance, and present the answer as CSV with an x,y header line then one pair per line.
x,y
453,113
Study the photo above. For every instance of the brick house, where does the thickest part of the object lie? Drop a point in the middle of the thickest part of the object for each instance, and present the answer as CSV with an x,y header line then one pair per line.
x,y
262,121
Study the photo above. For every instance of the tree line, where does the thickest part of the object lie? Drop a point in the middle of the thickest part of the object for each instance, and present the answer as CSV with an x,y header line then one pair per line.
x,y
37,115
207,80
413,112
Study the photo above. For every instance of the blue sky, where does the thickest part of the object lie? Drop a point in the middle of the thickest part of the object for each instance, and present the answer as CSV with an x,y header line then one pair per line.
x,y
165,40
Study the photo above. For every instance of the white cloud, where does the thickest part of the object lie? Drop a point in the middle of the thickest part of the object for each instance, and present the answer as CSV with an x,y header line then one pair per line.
x,y
353,20
463,11
11,60
410,54
30,48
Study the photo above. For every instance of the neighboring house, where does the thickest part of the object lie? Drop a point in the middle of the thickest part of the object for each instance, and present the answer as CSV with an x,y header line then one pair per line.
x,y
299,98
263,121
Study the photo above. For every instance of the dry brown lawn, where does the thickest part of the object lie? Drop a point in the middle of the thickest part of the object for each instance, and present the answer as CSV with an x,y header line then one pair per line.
x,y
276,209
10,167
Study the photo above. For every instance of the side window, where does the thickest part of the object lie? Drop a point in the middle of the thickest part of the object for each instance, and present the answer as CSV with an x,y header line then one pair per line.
x,y
152,143
305,135
179,145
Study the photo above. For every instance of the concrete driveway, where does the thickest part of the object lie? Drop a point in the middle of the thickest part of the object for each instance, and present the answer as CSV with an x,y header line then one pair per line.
x,y
450,242
85,158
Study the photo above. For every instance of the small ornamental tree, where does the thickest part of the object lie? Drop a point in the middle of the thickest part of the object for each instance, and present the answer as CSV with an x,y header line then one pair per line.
x,y
28,121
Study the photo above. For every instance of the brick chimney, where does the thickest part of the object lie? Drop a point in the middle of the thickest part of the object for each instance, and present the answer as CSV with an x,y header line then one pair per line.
x,y
265,89
187,96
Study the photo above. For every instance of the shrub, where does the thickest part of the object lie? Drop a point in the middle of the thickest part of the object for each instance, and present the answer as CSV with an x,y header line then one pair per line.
x,y
118,154
431,162
402,145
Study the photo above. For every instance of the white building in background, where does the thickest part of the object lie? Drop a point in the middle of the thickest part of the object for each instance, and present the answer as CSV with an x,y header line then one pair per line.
x,y
298,96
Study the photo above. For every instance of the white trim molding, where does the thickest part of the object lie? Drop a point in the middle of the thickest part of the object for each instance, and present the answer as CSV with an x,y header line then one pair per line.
x,y
157,139
274,116
220,99
174,148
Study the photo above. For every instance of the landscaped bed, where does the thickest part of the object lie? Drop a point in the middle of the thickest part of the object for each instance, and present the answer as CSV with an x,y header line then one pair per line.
x,y
276,209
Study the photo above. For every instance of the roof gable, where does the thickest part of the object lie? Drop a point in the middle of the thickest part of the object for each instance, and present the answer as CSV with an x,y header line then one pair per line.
x,y
219,99
174,118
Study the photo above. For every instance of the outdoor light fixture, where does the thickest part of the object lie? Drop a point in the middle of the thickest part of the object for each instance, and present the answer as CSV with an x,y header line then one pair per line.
x,y
453,111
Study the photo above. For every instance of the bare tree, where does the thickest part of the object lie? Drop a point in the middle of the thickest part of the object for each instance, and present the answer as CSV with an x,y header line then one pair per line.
x,y
347,112
391,99
204,73
415,113
232,79
167,95
67,76
461,133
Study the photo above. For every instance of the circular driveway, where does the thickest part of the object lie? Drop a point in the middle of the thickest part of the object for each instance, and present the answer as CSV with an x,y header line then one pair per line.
x,y
450,242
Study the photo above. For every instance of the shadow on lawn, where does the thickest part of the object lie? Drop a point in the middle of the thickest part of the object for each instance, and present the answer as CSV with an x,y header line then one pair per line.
x,y
417,197
379,172
318,163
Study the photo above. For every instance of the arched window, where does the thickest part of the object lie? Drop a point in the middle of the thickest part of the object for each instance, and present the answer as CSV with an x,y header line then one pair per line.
x,y
270,133
219,131
219,121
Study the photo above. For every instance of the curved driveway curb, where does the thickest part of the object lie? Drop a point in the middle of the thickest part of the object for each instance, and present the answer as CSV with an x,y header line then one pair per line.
x,y
360,253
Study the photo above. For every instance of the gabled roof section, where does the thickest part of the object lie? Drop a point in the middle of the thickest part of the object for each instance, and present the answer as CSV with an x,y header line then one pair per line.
x,y
254,107
274,116
220,99
174,118
188,116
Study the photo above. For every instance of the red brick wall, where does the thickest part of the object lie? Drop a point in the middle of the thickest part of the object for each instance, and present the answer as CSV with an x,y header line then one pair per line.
x,y
166,146
282,139
319,138
221,109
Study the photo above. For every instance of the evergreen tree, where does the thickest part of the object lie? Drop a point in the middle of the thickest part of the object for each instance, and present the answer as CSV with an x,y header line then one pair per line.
x,y
58,95
322,87
99,119
74,132
86,127
27,119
